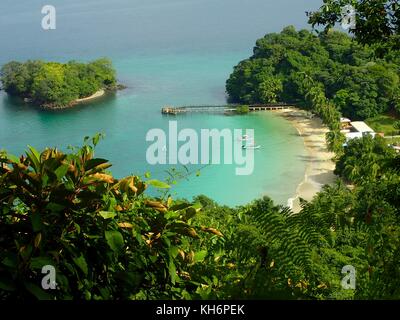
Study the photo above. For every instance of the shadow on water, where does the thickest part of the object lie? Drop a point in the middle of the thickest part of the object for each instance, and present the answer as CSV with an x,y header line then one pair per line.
x,y
22,123
13,104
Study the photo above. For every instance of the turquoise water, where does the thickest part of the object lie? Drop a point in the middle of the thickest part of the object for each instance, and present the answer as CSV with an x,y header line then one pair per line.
x,y
175,52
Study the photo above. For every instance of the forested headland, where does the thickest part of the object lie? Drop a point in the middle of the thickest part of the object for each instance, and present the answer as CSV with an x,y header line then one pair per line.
x,y
57,85
285,65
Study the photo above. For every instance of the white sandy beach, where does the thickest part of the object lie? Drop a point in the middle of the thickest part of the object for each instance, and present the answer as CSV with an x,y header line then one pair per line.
x,y
97,94
319,167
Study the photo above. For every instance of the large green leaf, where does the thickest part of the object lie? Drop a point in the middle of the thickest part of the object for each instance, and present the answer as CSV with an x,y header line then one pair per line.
x,y
200,256
81,263
37,292
107,214
61,171
158,184
13,158
34,156
173,251
114,240
40,262
172,271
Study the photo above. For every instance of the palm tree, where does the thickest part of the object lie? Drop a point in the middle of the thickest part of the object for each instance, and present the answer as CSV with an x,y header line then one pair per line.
x,y
335,140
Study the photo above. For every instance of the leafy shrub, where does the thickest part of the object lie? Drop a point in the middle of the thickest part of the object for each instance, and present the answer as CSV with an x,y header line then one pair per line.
x,y
242,110
105,238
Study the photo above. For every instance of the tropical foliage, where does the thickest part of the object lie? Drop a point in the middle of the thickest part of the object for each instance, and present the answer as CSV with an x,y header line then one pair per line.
x,y
242,109
105,238
53,84
108,240
291,66
366,160
377,22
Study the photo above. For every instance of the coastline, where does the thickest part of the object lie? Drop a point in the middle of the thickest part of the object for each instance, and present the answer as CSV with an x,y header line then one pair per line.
x,y
319,164
95,95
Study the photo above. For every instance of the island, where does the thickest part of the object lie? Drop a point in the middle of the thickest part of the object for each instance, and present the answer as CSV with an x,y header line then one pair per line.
x,y
54,85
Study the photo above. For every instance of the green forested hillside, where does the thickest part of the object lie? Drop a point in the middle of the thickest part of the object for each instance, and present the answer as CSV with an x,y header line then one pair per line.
x,y
284,65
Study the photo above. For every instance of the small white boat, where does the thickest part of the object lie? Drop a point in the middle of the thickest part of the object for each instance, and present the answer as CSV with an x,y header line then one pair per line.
x,y
246,138
251,146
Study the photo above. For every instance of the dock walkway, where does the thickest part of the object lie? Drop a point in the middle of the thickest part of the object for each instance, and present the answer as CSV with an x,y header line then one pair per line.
x,y
225,108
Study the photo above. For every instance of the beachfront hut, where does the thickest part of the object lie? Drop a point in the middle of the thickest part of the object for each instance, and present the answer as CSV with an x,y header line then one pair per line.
x,y
358,130
362,127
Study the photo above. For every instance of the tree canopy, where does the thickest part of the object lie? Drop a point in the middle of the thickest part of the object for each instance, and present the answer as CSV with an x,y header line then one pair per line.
x,y
377,22
53,84
287,66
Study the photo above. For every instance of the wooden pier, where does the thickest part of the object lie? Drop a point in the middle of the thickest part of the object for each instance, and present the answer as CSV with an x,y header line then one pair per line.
x,y
224,109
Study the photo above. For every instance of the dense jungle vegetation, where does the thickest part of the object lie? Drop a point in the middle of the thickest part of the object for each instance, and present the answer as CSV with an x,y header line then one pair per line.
x,y
350,75
57,85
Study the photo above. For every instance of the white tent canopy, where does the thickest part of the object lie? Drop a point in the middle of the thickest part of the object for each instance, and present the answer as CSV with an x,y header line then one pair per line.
x,y
361,126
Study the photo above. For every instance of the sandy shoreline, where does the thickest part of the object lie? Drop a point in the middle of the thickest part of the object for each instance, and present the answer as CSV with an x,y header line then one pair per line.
x,y
97,94
319,166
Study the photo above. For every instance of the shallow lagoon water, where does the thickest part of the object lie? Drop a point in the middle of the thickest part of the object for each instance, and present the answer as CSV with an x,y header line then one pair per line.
x,y
167,53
